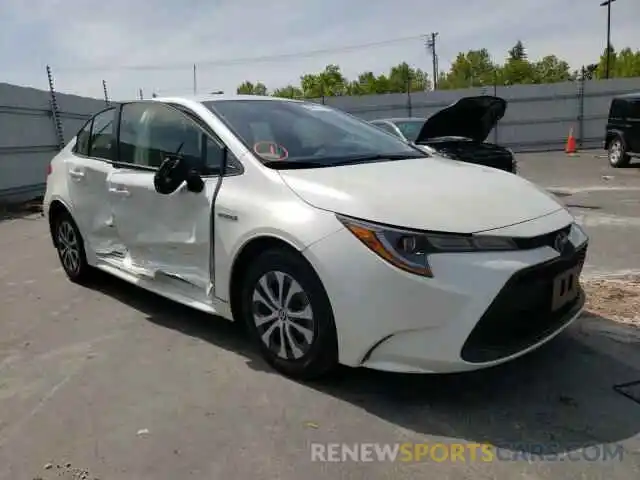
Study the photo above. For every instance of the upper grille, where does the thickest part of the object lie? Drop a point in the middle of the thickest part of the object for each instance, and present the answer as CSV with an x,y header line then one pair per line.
x,y
545,240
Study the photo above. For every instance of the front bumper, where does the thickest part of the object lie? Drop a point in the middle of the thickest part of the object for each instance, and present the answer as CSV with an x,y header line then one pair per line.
x,y
479,310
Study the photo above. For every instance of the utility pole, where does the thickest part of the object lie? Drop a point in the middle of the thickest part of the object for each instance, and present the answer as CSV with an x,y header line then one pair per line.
x,y
431,47
607,3
195,80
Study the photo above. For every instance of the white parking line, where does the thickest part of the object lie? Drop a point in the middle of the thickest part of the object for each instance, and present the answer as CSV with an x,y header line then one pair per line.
x,y
592,188
601,274
606,220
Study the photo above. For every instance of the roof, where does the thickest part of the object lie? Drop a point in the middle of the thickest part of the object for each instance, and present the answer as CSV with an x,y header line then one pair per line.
x,y
400,119
221,97
629,96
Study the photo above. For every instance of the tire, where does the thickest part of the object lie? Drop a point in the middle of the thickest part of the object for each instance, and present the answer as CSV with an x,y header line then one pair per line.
x,y
310,348
617,154
70,248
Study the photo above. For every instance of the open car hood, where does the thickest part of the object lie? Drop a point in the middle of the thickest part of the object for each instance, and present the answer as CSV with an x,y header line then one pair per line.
x,y
470,117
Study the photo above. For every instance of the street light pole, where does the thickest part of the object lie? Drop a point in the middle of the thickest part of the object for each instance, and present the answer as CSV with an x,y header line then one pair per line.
x,y
607,3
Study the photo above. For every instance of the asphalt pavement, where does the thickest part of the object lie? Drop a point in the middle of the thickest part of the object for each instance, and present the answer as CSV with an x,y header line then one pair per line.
x,y
606,201
115,383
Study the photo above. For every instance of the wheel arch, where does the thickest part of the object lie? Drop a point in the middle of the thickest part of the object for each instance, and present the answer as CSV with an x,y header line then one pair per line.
x,y
56,208
250,250
612,135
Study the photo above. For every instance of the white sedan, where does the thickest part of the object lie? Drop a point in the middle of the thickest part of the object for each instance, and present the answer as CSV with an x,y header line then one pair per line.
x,y
332,240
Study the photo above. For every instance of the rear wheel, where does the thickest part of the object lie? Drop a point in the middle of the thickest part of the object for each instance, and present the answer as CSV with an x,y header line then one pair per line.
x,y
70,247
288,314
617,154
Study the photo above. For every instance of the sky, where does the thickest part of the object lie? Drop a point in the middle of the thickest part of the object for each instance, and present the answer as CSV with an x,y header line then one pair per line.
x,y
88,41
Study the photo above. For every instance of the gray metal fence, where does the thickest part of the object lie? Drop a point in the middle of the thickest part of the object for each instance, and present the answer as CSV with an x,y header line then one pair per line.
x,y
538,118
28,136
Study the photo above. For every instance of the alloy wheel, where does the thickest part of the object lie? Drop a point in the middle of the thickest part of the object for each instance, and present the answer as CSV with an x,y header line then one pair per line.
x,y
615,152
68,247
283,315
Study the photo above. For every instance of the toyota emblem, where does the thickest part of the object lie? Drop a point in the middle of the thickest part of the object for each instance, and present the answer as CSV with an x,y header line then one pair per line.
x,y
561,243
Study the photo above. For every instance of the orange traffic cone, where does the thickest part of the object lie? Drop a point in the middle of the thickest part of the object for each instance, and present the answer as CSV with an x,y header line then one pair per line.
x,y
570,147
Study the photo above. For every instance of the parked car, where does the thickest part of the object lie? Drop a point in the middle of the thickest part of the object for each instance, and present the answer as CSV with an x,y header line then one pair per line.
x,y
622,137
333,241
458,132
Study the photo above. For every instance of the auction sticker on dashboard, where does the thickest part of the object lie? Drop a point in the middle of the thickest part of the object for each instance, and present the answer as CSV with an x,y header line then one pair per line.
x,y
271,151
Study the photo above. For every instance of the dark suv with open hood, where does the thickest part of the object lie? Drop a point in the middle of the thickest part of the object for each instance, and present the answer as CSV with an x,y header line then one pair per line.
x,y
458,132
622,138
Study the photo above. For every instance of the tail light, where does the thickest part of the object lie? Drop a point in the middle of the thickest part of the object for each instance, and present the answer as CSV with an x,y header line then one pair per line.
x,y
49,169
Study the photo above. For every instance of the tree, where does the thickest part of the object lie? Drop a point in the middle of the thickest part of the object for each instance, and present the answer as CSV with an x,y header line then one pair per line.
x,y
587,72
328,83
518,52
623,64
627,63
287,92
551,69
602,64
474,68
403,78
248,88
471,69
517,69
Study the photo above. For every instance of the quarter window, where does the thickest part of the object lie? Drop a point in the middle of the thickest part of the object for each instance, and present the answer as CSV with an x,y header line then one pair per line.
x,y
82,139
102,136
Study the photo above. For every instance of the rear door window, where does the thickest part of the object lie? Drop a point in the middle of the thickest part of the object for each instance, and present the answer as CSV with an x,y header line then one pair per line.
x,y
633,110
103,136
82,139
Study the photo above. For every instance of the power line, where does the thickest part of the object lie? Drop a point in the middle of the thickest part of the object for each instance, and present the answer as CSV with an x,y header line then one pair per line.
x,y
246,60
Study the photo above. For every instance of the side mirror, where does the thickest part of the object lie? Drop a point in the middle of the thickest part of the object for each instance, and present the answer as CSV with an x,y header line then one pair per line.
x,y
195,183
172,173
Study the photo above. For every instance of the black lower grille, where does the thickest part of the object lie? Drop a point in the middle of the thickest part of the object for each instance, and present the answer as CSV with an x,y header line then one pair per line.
x,y
521,314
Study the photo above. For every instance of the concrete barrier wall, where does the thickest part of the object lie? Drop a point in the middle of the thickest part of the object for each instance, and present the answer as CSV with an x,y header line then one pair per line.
x,y
28,137
538,118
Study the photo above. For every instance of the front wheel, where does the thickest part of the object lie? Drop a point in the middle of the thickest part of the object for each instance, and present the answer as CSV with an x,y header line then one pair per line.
x,y
289,316
617,154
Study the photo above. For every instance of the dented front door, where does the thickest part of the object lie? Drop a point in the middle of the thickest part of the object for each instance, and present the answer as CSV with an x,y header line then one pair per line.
x,y
166,234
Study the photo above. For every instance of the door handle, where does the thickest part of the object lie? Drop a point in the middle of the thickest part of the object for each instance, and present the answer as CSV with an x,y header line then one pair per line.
x,y
120,191
77,174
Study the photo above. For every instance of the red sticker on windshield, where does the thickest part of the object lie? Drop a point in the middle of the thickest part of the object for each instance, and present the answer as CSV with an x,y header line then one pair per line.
x,y
271,151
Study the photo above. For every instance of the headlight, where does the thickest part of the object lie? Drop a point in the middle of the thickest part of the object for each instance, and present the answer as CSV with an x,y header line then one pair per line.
x,y
409,250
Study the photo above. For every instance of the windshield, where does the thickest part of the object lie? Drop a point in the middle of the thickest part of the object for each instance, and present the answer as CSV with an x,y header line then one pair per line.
x,y
300,134
410,128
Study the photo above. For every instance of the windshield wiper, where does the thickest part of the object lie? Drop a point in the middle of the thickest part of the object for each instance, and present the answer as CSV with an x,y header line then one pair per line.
x,y
294,164
376,157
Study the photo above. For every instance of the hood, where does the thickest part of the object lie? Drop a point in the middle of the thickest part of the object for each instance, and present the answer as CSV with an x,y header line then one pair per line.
x,y
424,194
469,117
